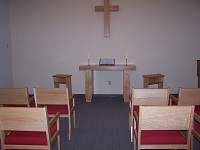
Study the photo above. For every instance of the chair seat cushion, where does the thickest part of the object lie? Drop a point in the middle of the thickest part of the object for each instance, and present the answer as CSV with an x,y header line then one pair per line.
x,y
197,109
28,137
162,137
62,109
32,104
197,128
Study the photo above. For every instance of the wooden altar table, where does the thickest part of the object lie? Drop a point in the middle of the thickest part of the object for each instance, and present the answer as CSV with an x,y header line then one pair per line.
x,y
89,78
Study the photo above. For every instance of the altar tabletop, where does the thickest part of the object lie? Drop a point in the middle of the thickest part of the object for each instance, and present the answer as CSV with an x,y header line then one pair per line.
x,y
108,67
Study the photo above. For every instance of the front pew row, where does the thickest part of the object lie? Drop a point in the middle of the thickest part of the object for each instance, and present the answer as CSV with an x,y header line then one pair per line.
x,y
159,120
58,103
150,117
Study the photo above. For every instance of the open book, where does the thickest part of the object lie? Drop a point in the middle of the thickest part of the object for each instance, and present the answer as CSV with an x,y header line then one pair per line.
x,y
107,61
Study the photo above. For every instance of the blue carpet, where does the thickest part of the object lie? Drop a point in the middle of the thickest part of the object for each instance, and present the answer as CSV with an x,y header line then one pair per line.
x,y
101,125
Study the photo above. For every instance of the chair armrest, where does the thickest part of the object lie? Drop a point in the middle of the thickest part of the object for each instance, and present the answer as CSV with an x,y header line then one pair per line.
x,y
31,99
130,105
71,98
136,116
197,117
173,98
130,102
136,123
54,119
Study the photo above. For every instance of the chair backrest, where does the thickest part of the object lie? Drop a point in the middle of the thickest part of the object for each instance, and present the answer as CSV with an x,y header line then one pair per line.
x,y
166,117
151,96
14,96
51,96
189,96
24,119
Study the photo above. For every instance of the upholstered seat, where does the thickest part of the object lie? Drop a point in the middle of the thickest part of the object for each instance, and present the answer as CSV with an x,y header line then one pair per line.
x,y
62,109
28,137
162,137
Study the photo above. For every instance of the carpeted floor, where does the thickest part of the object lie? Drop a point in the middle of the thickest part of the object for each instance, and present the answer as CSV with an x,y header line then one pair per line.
x,y
101,125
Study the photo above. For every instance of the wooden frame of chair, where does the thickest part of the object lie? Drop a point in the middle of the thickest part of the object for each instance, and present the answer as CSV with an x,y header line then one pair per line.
x,y
186,97
161,120
147,96
195,133
15,96
59,99
21,120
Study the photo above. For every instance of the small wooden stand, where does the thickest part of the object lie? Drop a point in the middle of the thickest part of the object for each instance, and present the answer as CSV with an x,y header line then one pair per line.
x,y
63,79
153,79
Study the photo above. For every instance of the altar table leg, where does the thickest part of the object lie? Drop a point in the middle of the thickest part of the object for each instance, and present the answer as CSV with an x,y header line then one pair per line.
x,y
126,85
88,85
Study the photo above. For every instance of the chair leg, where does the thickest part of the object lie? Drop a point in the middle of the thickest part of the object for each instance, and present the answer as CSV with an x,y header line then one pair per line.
x,y
192,142
131,134
69,124
129,127
134,143
74,118
59,146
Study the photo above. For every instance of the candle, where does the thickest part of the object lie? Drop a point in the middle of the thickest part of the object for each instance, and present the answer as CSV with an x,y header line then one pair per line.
x,y
126,55
88,55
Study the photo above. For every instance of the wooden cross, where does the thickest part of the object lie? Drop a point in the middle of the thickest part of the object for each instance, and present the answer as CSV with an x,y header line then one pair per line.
x,y
107,8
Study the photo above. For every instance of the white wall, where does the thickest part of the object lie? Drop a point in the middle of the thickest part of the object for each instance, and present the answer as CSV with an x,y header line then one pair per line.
x,y
54,36
6,76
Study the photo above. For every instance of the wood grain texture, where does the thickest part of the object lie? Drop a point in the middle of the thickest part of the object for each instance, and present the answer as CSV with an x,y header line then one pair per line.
x,y
106,9
176,118
111,68
15,96
28,119
57,97
89,78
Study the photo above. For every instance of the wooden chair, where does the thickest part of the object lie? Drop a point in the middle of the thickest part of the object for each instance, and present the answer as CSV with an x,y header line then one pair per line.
x,y
29,128
151,97
189,96
15,97
162,127
57,100
195,133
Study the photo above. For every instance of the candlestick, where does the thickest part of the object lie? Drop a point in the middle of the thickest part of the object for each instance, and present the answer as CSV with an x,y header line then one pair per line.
x,y
126,62
88,58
